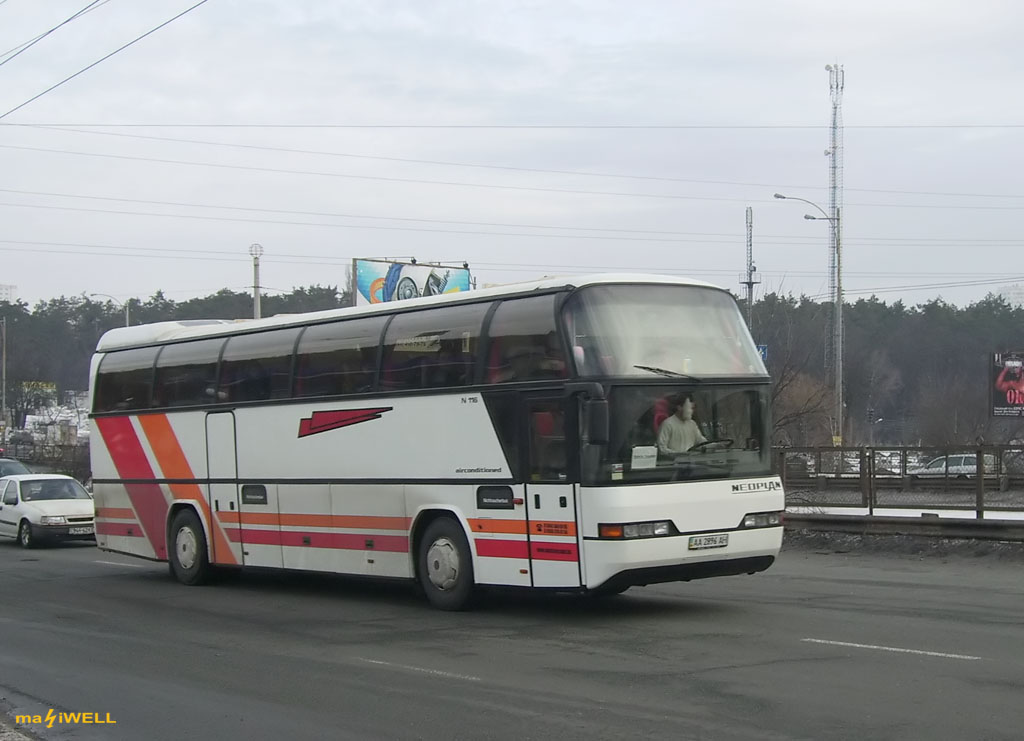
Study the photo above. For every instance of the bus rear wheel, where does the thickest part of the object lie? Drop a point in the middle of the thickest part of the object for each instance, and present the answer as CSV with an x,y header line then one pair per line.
x,y
445,566
189,561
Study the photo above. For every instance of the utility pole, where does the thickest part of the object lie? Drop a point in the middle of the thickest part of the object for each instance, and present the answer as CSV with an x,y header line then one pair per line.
x,y
255,250
752,278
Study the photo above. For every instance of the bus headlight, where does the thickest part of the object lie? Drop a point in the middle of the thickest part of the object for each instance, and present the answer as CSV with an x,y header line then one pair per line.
x,y
762,519
635,530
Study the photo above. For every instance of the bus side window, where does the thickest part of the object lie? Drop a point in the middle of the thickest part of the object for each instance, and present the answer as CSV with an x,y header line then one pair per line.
x,y
525,345
257,367
186,373
338,357
124,380
432,348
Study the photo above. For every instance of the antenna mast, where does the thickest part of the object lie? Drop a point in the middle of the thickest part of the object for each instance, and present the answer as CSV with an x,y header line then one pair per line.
x,y
751,277
835,203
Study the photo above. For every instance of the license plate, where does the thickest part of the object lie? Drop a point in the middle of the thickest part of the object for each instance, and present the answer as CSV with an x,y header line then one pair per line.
x,y
698,542
80,531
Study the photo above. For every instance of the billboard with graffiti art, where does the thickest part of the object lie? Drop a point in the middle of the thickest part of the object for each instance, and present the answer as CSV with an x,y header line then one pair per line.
x,y
377,281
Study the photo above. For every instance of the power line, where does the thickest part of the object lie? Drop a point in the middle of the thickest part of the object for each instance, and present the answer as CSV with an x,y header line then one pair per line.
x,y
234,256
102,59
489,186
392,218
729,236
28,45
509,168
528,127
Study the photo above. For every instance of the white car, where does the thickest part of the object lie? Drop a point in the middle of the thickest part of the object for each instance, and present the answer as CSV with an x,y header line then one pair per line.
x,y
954,467
45,506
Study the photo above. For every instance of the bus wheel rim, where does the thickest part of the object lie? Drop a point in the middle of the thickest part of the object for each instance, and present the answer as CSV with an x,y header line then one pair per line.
x,y
443,564
186,547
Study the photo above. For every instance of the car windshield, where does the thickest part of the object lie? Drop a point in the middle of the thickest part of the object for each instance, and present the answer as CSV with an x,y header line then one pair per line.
x,y
12,468
683,432
659,330
52,489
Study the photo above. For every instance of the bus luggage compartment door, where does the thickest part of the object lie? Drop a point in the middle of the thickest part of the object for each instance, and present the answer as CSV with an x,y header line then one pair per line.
x,y
222,488
551,524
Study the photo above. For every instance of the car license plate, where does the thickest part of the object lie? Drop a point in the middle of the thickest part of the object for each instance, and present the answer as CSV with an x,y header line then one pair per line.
x,y
80,530
698,542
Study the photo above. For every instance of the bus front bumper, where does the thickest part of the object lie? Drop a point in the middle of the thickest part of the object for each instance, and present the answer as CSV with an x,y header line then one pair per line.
x,y
616,564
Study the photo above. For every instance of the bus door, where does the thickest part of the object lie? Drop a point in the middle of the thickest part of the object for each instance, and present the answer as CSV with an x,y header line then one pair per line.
x,y
551,522
222,487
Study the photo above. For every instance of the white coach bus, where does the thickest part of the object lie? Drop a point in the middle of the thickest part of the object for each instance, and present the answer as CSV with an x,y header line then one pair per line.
x,y
586,435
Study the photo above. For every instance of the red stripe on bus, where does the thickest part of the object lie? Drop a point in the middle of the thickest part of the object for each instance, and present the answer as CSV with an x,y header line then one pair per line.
x,y
130,461
501,548
343,541
127,529
545,551
114,513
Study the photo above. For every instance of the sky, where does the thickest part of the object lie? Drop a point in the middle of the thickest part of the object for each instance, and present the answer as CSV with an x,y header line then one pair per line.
x,y
526,138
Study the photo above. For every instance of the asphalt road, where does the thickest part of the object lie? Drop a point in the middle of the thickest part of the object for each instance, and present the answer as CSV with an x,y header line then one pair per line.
x,y
821,646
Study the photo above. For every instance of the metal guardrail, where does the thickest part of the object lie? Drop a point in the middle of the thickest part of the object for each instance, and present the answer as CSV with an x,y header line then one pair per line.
x,y
940,527
985,480
72,460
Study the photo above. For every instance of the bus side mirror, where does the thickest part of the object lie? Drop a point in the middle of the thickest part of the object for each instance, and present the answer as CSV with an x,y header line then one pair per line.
x,y
595,412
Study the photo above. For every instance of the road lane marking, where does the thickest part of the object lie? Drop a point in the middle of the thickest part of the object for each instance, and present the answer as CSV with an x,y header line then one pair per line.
x,y
433,672
894,650
126,565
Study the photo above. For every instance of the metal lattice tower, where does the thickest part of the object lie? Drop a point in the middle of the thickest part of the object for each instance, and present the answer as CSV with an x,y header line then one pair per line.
x,y
751,278
835,203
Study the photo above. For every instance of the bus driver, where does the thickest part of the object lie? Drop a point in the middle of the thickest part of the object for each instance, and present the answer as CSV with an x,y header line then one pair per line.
x,y
679,432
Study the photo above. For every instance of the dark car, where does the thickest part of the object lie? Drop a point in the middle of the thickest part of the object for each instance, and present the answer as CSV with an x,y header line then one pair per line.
x,y
11,467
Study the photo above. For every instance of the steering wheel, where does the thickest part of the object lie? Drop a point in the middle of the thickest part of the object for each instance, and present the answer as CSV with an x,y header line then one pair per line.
x,y
725,442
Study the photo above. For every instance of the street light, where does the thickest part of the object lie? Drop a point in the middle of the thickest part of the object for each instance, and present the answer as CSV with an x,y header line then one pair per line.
x,y
123,305
837,311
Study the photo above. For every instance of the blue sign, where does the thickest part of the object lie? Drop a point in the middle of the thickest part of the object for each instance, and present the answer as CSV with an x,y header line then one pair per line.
x,y
763,349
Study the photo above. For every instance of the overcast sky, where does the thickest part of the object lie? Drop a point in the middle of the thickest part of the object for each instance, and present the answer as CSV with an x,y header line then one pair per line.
x,y
472,131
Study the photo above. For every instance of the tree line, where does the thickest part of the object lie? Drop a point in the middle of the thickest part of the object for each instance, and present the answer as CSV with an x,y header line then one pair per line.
x,y
913,375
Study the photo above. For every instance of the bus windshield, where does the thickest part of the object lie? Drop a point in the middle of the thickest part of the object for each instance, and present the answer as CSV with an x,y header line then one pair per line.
x,y
682,432
659,330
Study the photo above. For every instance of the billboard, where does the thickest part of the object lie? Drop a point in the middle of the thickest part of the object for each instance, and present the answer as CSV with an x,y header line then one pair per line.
x,y
1006,384
377,281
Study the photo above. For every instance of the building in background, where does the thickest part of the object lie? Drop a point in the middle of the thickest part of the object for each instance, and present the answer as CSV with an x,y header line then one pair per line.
x,y
1014,295
8,293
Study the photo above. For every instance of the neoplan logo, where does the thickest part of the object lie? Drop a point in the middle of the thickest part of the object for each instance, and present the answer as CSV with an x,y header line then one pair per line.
x,y
757,486
333,420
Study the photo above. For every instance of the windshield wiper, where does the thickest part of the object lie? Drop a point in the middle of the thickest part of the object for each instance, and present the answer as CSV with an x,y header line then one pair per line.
x,y
666,372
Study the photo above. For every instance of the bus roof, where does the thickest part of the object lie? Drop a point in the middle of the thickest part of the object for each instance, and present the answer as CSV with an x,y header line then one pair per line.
x,y
161,332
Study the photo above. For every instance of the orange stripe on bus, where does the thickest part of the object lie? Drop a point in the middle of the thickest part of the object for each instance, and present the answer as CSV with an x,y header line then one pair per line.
x,y
115,513
487,525
174,465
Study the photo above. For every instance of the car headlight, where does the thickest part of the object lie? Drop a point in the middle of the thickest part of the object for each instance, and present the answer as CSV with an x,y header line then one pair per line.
x,y
53,520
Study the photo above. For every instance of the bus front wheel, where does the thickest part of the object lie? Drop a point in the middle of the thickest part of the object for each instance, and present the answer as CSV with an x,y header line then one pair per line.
x,y
445,565
190,563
